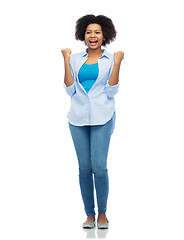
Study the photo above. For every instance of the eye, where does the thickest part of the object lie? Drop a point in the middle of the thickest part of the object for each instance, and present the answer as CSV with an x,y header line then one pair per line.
x,y
98,32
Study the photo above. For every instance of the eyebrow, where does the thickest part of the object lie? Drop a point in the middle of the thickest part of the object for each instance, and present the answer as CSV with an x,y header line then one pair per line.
x,y
94,30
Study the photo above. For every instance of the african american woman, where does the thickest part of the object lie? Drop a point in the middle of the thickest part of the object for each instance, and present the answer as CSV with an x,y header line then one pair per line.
x,y
91,80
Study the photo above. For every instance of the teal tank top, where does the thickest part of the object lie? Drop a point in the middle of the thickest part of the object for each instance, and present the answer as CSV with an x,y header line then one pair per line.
x,y
88,74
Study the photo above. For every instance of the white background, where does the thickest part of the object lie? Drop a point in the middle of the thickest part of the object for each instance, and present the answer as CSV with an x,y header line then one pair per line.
x,y
39,191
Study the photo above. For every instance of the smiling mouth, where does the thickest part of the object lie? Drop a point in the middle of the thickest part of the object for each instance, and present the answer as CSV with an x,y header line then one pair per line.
x,y
93,41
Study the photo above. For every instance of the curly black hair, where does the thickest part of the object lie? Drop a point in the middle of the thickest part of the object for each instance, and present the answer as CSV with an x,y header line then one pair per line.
x,y
108,28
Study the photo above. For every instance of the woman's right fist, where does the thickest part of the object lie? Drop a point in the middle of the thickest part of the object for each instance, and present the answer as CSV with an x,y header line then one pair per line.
x,y
66,53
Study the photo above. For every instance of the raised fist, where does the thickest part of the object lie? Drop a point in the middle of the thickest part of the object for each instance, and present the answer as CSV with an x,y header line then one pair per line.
x,y
118,56
66,53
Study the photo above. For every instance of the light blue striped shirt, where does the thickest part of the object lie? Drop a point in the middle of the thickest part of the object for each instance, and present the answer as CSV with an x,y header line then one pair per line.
x,y
97,106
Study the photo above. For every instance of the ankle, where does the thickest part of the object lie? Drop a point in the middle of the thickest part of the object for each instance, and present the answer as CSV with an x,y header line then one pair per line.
x,y
102,215
91,217
102,218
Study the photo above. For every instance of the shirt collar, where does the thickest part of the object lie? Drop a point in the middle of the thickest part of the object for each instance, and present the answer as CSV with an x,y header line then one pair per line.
x,y
105,53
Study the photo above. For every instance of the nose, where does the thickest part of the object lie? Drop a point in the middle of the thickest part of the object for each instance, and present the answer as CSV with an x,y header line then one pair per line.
x,y
92,34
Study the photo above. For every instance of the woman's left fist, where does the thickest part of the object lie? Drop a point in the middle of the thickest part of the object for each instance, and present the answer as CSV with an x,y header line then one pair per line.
x,y
118,57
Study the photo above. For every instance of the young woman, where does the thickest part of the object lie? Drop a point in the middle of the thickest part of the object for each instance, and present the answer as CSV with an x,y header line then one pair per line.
x,y
91,80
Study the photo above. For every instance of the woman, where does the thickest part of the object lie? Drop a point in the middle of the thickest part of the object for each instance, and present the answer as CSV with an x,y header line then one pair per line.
x,y
91,80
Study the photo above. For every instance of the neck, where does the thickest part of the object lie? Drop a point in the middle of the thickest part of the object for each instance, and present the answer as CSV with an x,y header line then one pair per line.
x,y
95,52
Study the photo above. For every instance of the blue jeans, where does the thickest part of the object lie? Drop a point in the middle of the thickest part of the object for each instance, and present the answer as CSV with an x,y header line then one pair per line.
x,y
91,145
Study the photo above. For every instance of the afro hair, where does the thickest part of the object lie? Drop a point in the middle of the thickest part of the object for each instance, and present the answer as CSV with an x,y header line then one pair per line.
x,y
108,29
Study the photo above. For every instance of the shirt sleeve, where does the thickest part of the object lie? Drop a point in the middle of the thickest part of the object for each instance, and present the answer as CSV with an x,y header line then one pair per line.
x,y
71,90
111,90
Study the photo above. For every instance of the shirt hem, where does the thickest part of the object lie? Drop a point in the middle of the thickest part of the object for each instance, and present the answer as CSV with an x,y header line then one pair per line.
x,y
93,124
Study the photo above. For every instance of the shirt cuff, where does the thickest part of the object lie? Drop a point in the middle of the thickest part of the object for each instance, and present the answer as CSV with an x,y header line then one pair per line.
x,y
70,89
111,90
112,87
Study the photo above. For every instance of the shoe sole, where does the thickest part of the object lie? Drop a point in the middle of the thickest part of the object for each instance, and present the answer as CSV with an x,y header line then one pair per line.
x,y
88,225
103,227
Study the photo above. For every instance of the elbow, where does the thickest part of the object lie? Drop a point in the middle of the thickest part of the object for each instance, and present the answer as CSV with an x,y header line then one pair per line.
x,y
110,94
111,90
71,90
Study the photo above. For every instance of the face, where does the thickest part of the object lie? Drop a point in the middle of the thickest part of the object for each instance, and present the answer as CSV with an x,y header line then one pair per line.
x,y
94,36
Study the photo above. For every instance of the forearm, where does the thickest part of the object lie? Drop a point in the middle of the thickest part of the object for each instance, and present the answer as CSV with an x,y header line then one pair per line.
x,y
68,78
114,78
